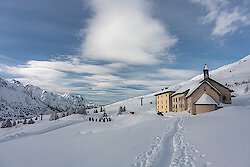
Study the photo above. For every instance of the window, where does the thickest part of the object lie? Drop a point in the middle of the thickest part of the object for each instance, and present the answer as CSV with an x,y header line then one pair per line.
x,y
224,98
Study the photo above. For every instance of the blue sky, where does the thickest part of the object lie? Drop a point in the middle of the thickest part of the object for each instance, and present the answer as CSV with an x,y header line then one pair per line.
x,y
115,49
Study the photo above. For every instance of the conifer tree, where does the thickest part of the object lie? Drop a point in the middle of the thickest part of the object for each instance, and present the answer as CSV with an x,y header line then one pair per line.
x,y
8,123
25,121
14,123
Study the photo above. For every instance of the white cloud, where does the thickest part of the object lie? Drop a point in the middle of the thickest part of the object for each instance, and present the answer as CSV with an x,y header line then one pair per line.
x,y
107,82
126,31
226,19
229,22
60,76
70,67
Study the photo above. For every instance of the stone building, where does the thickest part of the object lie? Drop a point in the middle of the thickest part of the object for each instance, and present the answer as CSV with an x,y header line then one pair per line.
x,y
196,97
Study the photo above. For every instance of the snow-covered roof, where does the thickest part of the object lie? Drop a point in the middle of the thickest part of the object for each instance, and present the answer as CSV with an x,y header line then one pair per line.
x,y
172,88
188,87
191,87
191,90
206,99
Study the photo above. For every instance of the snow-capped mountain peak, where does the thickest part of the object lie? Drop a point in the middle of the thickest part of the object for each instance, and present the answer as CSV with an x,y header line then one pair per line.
x,y
30,99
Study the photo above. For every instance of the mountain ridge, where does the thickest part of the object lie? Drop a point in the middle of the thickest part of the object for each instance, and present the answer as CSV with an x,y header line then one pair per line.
x,y
17,99
235,76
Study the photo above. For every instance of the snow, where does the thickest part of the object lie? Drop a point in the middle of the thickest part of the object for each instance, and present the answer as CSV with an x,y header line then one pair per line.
x,y
205,99
17,99
172,88
217,138
223,136
235,75
115,143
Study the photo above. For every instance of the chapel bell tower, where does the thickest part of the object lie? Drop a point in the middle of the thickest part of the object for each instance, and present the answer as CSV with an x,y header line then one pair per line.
x,y
205,72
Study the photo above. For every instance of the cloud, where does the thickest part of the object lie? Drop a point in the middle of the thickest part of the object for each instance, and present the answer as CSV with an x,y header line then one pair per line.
x,y
99,83
127,32
70,67
59,76
229,21
226,19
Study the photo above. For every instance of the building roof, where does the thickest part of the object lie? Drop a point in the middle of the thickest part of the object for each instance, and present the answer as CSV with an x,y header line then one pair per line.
x,y
206,99
190,88
191,91
217,83
172,88
186,88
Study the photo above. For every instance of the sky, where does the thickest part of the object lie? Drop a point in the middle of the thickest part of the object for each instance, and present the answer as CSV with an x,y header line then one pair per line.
x,y
116,49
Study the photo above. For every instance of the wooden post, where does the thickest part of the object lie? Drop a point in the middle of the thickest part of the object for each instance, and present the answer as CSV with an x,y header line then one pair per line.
x,y
142,101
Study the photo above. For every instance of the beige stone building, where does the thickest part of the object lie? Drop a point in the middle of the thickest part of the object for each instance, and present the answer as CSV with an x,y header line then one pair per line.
x,y
196,97
164,99
179,101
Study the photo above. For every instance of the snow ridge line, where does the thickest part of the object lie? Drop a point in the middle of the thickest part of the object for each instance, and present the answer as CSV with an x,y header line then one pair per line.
x,y
184,153
38,132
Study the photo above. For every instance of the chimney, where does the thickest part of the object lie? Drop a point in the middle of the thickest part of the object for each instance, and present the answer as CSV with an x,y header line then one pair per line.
x,y
205,72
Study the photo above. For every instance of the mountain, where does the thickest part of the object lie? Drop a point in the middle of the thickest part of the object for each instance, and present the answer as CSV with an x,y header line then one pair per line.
x,y
140,139
235,76
17,99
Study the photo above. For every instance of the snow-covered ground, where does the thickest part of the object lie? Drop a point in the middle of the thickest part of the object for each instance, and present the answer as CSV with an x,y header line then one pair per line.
x,y
83,143
218,138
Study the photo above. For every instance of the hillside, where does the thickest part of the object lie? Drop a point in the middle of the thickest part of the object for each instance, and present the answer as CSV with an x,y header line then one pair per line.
x,y
142,139
17,99
218,138
235,76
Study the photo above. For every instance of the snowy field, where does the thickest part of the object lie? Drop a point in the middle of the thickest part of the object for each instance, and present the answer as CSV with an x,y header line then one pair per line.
x,y
219,138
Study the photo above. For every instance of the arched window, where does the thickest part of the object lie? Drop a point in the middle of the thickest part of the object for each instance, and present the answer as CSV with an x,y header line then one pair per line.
x,y
224,98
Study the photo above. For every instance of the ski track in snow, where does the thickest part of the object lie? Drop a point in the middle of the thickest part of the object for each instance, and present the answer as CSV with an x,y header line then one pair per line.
x,y
154,155
184,154
148,157
38,132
